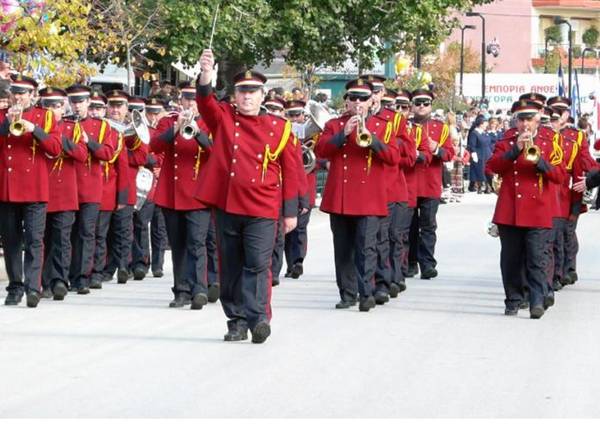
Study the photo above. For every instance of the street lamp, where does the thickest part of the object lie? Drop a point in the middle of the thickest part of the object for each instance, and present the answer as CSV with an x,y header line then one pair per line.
x,y
587,49
558,21
482,51
462,59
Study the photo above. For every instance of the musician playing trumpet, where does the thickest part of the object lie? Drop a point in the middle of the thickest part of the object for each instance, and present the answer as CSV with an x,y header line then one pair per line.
x,y
187,219
525,206
24,189
355,194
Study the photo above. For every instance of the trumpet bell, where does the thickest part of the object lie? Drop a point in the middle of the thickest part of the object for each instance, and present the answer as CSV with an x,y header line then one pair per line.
x,y
140,126
16,128
364,139
309,159
533,154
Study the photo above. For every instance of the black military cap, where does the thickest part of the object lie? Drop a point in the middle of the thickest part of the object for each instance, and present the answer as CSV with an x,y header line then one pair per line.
x,y
389,97
403,97
22,84
98,100
51,96
422,95
559,102
534,97
249,81
136,103
154,105
525,108
358,87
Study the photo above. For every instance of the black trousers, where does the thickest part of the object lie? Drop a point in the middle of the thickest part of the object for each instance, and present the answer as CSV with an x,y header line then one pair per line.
x,y
158,239
383,271
399,231
101,252
22,228
277,256
523,252
559,229
140,249
355,254
120,240
187,230
296,242
245,250
212,255
422,233
83,242
571,246
57,248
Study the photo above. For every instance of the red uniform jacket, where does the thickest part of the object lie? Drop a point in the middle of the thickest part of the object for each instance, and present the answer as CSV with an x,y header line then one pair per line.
x,y
423,158
182,161
63,175
525,198
356,183
24,167
102,143
397,188
254,164
115,178
429,176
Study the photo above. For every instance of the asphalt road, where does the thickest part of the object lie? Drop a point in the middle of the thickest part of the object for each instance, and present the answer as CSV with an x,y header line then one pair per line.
x,y
442,349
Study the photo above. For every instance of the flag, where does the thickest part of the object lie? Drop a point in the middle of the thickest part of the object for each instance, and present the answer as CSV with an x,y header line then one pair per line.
x,y
561,81
575,98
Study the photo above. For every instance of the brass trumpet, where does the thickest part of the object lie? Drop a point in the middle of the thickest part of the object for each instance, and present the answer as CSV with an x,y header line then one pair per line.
x,y
189,128
17,127
530,151
363,136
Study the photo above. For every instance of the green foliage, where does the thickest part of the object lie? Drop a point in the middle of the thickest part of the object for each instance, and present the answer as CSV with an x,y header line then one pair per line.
x,y
590,36
553,34
577,51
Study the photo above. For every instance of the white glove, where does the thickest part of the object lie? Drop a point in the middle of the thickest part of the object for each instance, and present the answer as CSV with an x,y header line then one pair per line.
x,y
474,157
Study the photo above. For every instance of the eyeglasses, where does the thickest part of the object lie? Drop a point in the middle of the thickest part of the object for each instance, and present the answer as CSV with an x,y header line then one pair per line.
x,y
422,103
293,113
403,107
361,98
274,109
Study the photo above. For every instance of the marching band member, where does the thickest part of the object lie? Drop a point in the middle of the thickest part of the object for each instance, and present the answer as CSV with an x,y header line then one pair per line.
x,y
187,219
27,133
256,164
526,161
115,209
296,241
355,193
434,134
63,202
101,144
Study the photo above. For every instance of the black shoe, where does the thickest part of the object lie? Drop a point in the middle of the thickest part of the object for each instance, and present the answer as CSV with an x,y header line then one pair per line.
x,y
556,285
214,292
33,298
345,304
413,269
402,286
572,276
288,274
429,273
366,303
261,332
107,277
60,291
381,297
180,300
13,298
548,301
83,290
274,282
122,276
95,284
236,332
536,312
47,293
139,274
394,290
297,271
158,273
511,311
524,305
198,301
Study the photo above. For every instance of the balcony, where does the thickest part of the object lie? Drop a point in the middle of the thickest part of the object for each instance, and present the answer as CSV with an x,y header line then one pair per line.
x,y
591,62
570,4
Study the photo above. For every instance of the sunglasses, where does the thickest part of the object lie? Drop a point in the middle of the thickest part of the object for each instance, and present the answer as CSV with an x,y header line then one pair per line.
x,y
361,98
293,113
404,107
274,109
422,103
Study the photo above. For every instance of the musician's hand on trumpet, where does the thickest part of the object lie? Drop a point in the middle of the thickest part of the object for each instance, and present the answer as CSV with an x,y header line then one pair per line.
x,y
351,125
523,139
